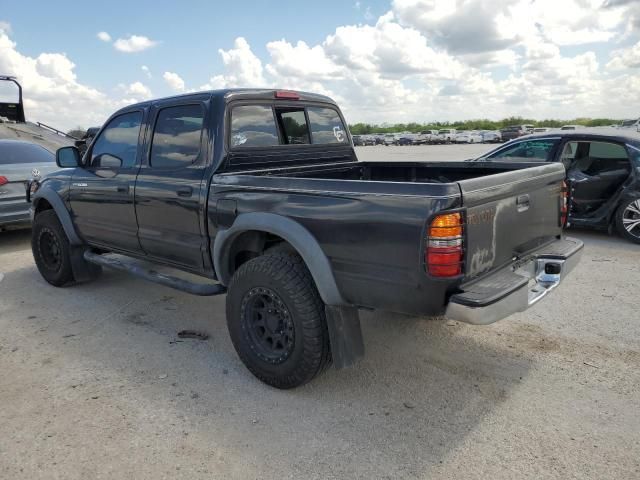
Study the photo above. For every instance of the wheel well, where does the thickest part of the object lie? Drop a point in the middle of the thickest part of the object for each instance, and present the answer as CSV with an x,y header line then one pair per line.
x,y
251,244
43,205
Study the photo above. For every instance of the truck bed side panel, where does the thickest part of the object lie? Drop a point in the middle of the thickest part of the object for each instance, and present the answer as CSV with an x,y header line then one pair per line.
x,y
373,241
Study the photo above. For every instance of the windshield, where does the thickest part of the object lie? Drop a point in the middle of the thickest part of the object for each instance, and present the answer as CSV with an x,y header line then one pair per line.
x,y
528,151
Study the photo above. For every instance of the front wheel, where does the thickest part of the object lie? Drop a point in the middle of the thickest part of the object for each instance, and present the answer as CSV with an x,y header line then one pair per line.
x,y
627,220
51,249
276,320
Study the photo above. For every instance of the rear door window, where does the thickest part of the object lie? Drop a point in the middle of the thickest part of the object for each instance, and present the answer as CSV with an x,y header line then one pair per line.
x,y
177,136
326,126
253,126
528,151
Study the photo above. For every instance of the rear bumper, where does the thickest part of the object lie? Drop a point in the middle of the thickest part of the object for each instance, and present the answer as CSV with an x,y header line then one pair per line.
x,y
14,212
516,287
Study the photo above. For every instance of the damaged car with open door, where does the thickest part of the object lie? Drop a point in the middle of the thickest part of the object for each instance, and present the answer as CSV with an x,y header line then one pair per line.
x,y
603,173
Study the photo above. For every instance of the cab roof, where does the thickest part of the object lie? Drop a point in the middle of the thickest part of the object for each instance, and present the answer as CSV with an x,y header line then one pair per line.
x,y
231,94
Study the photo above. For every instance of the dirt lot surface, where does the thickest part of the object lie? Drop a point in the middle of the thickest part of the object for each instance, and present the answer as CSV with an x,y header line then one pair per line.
x,y
95,383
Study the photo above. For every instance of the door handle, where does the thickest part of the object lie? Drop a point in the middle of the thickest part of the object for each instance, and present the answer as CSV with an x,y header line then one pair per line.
x,y
122,189
184,191
523,203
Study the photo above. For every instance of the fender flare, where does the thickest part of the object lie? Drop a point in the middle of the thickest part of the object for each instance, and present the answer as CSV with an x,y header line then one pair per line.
x,y
61,211
292,232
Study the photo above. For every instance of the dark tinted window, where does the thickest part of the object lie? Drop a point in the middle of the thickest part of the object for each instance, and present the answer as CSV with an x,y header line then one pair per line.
x,y
117,145
529,151
176,138
294,126
253,126
326,126
16,152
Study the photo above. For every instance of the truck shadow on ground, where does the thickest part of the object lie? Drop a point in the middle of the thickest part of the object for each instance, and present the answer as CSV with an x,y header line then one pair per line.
x,y
14,240
423,384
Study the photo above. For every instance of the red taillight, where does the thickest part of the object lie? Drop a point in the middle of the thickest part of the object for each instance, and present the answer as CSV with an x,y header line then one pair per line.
x,y
564,204
444,255
3,180
287,95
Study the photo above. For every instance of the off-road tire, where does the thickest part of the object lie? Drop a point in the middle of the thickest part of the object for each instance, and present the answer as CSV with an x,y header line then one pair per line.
x,y
287,277
619,224
47,233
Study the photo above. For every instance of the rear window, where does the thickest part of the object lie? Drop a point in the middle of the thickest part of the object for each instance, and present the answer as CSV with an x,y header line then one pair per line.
x,y
13,152
326,126
267,125
293,124
253,126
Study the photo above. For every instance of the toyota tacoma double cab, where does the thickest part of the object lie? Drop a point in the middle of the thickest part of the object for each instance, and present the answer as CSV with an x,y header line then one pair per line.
x,y
260,194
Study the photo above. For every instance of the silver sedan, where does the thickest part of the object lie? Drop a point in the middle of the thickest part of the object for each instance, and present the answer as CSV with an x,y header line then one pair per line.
x,y
19,162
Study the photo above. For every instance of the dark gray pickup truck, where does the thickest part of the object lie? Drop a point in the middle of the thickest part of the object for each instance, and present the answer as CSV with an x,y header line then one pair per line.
x,y
260,193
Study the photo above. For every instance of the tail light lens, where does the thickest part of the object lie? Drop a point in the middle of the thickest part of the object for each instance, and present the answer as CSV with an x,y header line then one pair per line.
x,y
444,256
3,180
564,204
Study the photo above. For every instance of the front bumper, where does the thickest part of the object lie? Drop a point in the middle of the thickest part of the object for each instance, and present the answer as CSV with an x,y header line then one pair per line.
x,y
517,287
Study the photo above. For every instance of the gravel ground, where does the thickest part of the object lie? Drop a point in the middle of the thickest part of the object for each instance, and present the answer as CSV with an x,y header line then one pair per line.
x,y
94,383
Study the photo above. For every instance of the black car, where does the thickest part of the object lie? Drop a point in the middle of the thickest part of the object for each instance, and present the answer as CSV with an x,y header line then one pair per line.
x,y
603,173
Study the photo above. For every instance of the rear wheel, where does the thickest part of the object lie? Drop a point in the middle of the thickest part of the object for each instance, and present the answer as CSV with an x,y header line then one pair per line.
x,y
276,320
628,220
51,250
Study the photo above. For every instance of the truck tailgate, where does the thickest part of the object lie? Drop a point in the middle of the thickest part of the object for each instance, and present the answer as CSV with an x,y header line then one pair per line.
x,y
510,214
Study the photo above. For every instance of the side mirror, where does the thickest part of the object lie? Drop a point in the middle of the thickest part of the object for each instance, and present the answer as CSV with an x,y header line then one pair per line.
x,y
107,161
68,157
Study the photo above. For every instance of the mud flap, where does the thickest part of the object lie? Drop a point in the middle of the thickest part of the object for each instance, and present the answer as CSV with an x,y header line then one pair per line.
x,y
345,335
83,271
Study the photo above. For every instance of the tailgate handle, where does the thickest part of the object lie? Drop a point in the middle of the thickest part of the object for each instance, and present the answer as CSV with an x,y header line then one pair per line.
x,y
523,203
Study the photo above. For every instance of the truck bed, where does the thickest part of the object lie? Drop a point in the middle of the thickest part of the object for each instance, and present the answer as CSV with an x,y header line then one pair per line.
x,y
370,218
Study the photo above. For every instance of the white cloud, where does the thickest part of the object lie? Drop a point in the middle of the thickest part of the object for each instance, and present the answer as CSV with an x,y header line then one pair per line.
x,y
5,26
104,36
135,43
422,60
243,68
52,92
625,58
138,90
417,64
174,81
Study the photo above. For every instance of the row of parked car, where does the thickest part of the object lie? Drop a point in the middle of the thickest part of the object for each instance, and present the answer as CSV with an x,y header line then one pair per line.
x,y
431,137
452,135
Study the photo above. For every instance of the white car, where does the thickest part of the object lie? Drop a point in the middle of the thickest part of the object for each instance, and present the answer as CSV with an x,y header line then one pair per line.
x,y
468,137
491,136
635,124
447,135
541,130
427,136
390,139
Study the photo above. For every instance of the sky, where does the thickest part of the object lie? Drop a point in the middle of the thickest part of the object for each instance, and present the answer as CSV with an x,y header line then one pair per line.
x,y
382,61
